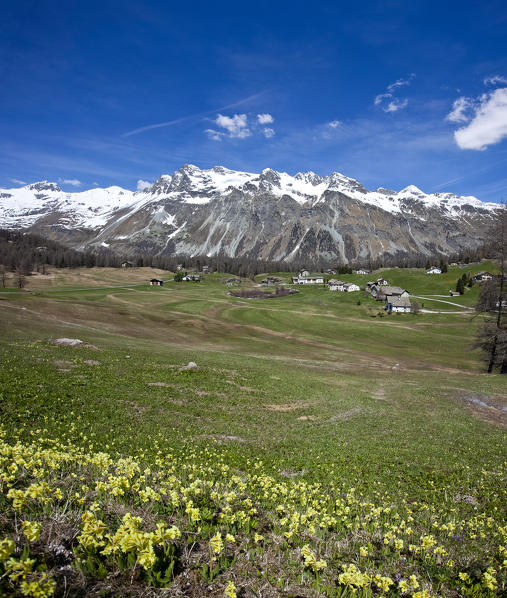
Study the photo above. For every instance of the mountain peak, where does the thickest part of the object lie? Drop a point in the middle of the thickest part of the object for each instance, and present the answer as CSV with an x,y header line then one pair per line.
x,y
413,190
271,215
43,186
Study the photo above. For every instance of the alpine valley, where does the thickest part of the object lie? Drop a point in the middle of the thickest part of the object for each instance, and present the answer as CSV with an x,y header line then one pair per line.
x,y
267,216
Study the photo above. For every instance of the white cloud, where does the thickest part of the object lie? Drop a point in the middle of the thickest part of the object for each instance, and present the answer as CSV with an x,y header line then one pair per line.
x,y
488,124
381,97
494,80
334,124
215,135
400,82
143,185
395,105
268,132
73,182
237,125
459,111
18,182
387,101
265,119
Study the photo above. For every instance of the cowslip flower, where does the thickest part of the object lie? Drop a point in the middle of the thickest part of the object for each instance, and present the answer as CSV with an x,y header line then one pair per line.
x,y
6,548
216,543
32,530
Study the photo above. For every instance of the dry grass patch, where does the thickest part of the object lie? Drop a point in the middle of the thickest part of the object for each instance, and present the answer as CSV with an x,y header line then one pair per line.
x,y
286,407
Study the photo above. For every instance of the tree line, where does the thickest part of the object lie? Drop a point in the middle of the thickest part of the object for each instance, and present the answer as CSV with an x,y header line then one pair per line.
x,y
24,253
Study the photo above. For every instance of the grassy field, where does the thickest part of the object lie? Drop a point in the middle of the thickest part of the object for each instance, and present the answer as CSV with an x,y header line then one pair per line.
x,y
345,451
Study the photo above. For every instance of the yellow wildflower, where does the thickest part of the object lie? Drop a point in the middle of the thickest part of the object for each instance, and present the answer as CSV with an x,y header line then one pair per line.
x,y
230,590
6,548
216,543
32,530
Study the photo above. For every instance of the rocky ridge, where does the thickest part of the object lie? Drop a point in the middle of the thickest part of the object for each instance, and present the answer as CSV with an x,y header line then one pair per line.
x,y
271,216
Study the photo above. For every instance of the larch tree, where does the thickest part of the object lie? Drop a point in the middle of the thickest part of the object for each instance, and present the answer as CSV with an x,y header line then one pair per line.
x,y
493,301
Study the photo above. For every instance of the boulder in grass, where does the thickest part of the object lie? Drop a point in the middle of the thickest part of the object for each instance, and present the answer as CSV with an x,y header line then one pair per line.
x,y
71,342
190,366
66,342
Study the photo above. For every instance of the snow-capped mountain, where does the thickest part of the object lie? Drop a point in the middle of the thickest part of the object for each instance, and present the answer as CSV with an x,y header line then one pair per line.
x,y
270,215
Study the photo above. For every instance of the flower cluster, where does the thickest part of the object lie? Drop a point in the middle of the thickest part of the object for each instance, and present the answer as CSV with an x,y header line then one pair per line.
x,y
144,515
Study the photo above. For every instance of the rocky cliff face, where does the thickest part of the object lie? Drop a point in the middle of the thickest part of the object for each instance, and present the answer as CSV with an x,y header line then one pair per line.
x,y
270,216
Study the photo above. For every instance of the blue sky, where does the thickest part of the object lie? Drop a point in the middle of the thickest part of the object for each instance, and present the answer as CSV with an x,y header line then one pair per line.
x,y
390,92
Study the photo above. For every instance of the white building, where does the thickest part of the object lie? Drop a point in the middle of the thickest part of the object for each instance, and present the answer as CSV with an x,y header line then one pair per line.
x,y
434,270
336,285
307,280
401,304
344,287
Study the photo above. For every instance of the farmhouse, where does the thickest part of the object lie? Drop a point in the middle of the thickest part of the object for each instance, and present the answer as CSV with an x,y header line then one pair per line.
x,y
127,265
381,282
434,270
381,293
335,285
482,276
397,303
192,277
270,281
205,269
345,287
308,279
303,273
330,271
156,282
361,271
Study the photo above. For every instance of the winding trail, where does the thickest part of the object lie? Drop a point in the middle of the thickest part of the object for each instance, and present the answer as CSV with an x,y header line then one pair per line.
x,y
431,298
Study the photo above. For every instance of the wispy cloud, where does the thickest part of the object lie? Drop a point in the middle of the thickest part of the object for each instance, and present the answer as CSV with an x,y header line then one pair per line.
x,y
495,80
396,105
141,185
381,97
72,182
193,117
387,101
213,134
268,132
334,124
460,110
470,173
486,117
17,182
400,83
265,119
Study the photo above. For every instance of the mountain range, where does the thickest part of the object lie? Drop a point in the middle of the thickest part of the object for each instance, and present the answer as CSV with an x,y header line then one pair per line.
x,y
268,216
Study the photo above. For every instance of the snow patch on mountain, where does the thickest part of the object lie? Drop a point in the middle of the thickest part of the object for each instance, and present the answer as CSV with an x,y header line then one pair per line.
x,y
22,207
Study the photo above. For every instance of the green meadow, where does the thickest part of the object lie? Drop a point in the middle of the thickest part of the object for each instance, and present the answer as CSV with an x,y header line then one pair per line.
x,y
346,452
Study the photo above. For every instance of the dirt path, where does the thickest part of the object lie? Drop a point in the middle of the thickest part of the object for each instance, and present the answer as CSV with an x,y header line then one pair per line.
x,y
442,301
